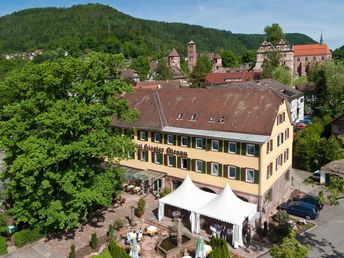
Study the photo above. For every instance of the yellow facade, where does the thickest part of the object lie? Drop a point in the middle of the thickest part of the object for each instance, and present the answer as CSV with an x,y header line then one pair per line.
x,y
259,164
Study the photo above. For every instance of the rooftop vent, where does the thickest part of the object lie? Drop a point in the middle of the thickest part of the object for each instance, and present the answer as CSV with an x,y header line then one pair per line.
x,y
193,117
180,116
212,119
221,119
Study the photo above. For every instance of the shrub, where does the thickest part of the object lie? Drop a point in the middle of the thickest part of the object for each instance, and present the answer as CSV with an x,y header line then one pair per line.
x,y
72,251
110,232
281,217
140,208
220,248
117,251
27,236
94,241
3,245
118,223
165,191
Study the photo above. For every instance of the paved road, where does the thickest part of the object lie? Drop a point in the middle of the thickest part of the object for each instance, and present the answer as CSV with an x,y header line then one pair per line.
x,y
327,239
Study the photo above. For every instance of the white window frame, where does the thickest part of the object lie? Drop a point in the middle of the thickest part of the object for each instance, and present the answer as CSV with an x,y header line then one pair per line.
x,y
168,139
199,139
212,145
196,168
157,155
229,147
247,171
155,140
254,149
212,166
144,134
229,172
181,141
181,163
169,164
270,169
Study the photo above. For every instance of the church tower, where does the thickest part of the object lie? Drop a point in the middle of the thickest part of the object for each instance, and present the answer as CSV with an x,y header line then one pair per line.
x,y
192,55
321,39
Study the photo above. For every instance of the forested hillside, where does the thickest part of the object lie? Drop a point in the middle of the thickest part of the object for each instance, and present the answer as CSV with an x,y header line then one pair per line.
x,y
102,28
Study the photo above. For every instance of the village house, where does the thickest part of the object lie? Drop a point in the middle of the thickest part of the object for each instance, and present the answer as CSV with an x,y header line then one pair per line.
x,y
240,136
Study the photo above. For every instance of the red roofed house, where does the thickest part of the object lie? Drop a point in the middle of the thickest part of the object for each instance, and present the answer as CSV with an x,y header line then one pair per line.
x,y
297,57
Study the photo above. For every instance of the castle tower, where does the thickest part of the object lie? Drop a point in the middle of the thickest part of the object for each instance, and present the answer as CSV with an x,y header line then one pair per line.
x,y
192,55
174,59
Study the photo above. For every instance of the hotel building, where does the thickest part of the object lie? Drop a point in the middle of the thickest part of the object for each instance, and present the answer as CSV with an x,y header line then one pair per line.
x,y
239,136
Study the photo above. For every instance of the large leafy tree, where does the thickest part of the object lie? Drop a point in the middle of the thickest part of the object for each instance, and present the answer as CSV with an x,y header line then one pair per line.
x,y
282,74
56,135
271,62
274,33
290,248
229,59
163,72
197,76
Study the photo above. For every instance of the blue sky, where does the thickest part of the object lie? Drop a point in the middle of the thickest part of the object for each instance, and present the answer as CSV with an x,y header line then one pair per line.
x,y
242,16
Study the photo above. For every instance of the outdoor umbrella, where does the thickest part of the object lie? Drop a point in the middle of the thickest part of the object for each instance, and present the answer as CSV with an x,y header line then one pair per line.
x,y
200,251
134,250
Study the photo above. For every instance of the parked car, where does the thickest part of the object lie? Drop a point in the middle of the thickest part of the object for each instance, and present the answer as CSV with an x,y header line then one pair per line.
x,y
316,175
299,126
306,121
301,209
309,199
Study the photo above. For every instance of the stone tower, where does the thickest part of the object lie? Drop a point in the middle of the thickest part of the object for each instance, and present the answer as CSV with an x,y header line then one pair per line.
x,y
174,59
192,55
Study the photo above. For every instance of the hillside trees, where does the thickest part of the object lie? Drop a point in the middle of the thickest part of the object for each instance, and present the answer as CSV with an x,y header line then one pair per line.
x,y
57,133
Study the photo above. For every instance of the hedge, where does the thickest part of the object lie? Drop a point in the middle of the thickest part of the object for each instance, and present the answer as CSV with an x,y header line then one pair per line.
x,y
3,245
27,236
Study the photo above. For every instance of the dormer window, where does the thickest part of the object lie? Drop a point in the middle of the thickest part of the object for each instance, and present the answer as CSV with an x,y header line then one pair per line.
x,y
212,119
221,119
180,116
193,117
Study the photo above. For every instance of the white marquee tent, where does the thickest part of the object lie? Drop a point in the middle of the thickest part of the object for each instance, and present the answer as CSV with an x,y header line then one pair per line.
x,y
226,207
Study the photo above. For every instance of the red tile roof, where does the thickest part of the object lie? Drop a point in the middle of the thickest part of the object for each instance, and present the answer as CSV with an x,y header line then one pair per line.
x,y
311,50
220,78
245,110
149,85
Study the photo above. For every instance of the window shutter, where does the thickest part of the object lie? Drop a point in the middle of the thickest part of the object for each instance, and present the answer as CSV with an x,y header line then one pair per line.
x,y
174,140
146,136
178,162
165,159
189,141
204,141
146,156
225,171
174,161
243,148
209,168
193,142
160,141
138,154
161,158
138,134
220,145
208,144
152,136
165,138
179,140
225,146
243,174
193,165
238,147
256,151
256,176
153,157
237,173
204,164
188,165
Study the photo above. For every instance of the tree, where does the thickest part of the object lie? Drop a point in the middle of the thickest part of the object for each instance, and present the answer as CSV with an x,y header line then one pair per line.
x,y
328,150
117,251
271,62
282,74
141,65
57,133
274,33
290,248
229,59
94,241
249,57
163,72
197,76
72,251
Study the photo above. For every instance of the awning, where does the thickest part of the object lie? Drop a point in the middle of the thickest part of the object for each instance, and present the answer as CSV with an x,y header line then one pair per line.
x,y
143,175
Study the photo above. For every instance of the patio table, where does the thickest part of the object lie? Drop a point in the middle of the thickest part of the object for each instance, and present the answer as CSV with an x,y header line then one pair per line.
x,y
152,230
